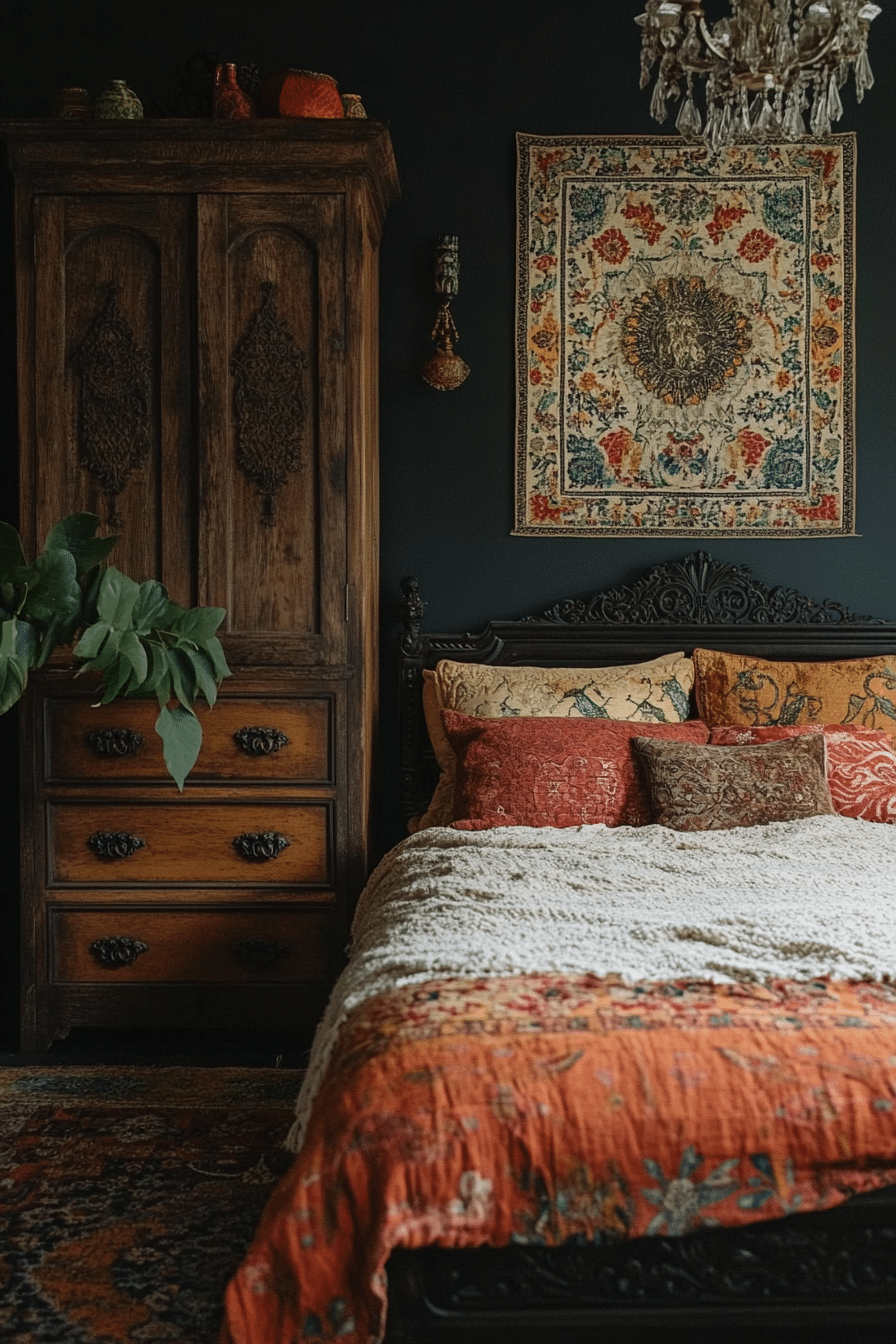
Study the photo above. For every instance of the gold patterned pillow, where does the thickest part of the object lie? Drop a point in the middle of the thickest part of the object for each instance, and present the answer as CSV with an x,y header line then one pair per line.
x,y
733,688
653,692
703,788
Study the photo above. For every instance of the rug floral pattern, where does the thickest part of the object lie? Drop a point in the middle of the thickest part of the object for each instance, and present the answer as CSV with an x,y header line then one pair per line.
x,y
128,1197
684,338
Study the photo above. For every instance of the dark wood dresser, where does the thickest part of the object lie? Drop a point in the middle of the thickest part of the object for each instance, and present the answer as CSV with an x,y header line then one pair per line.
x,y
197,364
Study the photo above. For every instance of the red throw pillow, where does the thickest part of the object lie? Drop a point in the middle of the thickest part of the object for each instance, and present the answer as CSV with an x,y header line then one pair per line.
x,y
861,763
552,772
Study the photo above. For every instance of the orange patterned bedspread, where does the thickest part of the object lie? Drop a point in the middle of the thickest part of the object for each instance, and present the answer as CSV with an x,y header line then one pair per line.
x,y
535,1108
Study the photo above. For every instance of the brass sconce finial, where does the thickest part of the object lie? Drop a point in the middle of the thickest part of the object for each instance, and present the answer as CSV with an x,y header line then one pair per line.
x,y
445,370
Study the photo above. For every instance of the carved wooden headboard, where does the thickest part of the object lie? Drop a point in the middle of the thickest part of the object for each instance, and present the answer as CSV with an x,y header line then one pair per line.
x,y
695,602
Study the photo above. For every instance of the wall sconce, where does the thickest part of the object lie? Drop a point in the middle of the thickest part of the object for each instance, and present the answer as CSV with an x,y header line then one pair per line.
x,y
445,370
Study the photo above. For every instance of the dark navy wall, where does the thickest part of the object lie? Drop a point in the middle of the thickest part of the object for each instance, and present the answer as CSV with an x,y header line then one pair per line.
x,y
455,81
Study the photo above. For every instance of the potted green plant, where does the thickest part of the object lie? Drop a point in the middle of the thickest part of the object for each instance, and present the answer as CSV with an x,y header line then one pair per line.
x,y
141,642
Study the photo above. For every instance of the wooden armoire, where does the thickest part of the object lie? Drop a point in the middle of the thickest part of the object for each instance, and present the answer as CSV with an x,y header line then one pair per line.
x,y
197,364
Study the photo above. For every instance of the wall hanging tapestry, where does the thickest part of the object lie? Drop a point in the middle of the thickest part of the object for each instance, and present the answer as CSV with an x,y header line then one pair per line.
x,y
684,338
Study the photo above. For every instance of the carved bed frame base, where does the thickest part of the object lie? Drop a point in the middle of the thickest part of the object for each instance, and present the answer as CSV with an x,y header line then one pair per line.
x,y
831,1275
807,1278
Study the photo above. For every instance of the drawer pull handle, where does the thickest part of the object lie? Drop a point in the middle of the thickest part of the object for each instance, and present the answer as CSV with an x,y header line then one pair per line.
x,y
256,741
259,953
260,846
115,844
115,741
118,951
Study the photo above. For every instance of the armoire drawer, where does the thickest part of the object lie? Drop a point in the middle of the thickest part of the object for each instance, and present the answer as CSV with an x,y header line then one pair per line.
x,y
186,946
283,738
277,842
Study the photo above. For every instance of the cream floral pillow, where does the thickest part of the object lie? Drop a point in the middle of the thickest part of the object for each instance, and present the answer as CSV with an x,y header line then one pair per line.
x,y
654,692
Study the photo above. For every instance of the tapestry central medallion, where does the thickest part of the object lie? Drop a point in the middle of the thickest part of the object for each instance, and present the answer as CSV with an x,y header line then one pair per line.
x,y
683,339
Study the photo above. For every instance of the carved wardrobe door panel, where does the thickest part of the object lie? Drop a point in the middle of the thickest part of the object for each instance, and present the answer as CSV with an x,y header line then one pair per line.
x,y
272,432
112,374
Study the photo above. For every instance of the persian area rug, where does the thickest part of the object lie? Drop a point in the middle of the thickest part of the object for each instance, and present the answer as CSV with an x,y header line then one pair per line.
x,y
684,330
128,1196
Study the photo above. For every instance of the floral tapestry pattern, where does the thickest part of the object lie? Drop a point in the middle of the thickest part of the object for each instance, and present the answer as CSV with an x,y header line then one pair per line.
x,y
684,338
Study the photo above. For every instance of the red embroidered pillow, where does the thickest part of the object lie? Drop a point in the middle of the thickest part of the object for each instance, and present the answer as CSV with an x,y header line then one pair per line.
x,y
552,772
861,764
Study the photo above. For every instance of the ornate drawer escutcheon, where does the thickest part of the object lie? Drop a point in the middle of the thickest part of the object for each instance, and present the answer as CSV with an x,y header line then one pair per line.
x,y
260,846
118,951
260,953
115,844
256,741
115,741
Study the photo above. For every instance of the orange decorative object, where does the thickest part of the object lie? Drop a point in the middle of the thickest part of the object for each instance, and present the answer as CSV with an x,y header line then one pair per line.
x,y
300,93
230,102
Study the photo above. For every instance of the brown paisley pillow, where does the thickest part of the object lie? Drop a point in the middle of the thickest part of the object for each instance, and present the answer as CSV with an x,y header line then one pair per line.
x,y
704,788
735,688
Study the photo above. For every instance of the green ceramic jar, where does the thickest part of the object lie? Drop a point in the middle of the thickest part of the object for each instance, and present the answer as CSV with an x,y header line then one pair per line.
x,y
118,101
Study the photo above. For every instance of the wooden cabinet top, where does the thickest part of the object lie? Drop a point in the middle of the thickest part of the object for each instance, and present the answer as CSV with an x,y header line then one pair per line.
x,y
172,152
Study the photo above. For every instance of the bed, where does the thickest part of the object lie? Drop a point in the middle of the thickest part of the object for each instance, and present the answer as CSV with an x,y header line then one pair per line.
x,y
600,1081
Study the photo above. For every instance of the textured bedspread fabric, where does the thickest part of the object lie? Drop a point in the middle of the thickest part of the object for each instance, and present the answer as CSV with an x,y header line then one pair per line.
x,y
578,1050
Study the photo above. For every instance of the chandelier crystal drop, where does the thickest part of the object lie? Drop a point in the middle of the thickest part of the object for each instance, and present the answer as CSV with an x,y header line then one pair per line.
x,y
770,68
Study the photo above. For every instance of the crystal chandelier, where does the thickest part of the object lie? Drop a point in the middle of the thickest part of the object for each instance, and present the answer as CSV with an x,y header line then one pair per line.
x,y
766,65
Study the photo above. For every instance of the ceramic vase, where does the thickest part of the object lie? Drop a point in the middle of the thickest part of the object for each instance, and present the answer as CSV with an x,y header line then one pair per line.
x,y
300,93
118,101
230,102
352,105
72,102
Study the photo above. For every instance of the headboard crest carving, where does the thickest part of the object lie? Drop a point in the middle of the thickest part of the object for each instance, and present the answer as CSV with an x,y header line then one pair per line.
x,y
699,591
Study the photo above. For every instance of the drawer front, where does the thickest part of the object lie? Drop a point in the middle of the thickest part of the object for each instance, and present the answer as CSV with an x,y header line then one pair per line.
x,y
283,738
188,946
278,843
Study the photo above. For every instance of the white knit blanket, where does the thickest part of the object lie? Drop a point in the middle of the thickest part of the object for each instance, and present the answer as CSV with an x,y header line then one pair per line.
x,y
795,899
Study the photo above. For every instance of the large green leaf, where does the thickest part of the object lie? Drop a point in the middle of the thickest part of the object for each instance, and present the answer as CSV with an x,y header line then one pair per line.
x,y
115,679
204,674
181,734
199,624
164,689
107,657
27,644
77,534
135,654
183,677
53,590
13,670
151,606
158,668
92,640
117,598
219,662
13,680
